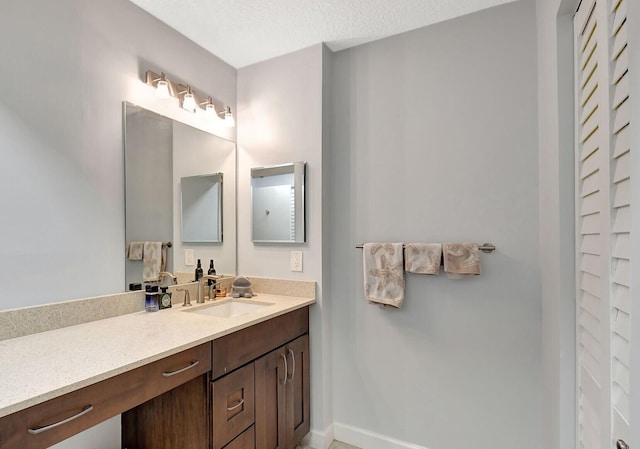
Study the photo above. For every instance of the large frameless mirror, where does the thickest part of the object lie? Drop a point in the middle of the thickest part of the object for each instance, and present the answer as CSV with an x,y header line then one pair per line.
x,y
278,203
160,153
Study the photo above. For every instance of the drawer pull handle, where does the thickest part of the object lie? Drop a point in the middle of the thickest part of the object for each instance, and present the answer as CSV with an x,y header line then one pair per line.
x,y
39,429
240,402
293,363
182,370
286,369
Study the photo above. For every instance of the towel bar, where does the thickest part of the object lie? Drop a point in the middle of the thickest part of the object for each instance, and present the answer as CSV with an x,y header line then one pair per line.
x,y
485,247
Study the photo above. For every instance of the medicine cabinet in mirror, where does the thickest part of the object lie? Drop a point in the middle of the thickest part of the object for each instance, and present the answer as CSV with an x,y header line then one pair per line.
x,y
278,203
159,154
201,208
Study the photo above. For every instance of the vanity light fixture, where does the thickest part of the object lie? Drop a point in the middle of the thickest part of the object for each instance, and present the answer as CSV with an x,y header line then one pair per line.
x,y
188,99
162,88
160,82
228,117
209,107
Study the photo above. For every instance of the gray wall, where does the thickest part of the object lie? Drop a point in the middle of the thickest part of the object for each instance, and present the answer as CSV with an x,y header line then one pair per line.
x,y
66,68
280,111
434,138
556,187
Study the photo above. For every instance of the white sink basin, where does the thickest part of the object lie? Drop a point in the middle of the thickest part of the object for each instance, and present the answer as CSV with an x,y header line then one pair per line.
x,y
229,308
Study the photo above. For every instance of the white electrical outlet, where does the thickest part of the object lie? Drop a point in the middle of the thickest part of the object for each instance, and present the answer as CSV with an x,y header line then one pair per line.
x,y
296,260
188,257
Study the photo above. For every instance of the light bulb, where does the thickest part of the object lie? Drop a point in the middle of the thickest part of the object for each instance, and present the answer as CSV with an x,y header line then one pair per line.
x,y
228,118
210,109
188,102
162,89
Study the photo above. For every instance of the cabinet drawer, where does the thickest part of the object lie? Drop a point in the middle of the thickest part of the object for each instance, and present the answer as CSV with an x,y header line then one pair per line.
x,y
52,421
243,346
233,405
246,440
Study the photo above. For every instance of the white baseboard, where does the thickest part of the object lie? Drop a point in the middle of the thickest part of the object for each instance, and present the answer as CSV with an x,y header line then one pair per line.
x,y
365,439
319,439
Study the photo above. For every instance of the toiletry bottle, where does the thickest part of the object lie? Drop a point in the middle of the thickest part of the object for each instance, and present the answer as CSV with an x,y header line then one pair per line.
x,y
151,298
212,271
165,299
199,271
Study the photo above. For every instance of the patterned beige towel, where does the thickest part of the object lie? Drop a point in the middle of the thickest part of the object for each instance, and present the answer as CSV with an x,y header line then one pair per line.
x,y
152,261
134,250
383,273
422,258
461,259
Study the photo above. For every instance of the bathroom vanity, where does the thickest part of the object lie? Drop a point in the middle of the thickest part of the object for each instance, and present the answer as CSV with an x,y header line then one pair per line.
x,y
256,395
240,382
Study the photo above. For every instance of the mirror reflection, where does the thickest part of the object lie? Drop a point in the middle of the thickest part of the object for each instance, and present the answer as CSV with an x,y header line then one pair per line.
x,y
159,153
277,203
201,207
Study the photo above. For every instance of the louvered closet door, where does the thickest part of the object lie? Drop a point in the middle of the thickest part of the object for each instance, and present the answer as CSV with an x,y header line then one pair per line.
x,y
603,204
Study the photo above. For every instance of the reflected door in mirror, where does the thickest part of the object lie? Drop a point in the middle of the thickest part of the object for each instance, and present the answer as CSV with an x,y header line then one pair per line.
x,y
201,198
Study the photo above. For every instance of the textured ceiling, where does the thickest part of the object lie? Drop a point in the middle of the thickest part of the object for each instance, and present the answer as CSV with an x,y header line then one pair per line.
x,y
243,32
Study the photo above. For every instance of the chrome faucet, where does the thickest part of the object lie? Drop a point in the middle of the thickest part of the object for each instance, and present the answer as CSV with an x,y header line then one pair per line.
x,y
162,274
187,299
212,295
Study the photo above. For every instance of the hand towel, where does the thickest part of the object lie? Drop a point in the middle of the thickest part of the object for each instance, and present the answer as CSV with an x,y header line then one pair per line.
x,y
134,250
383,273
422,258
461,259
152,261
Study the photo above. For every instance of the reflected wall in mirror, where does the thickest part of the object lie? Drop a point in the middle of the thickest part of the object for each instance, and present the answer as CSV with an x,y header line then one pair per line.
x,y
159,152
201,208
278,203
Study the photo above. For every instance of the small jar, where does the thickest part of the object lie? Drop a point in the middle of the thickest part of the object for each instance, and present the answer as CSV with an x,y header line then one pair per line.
x,y
151,298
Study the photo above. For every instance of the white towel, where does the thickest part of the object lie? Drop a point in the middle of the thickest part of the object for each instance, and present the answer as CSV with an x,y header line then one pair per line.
x,y
383,273
461,260
152,261
422,258
135,250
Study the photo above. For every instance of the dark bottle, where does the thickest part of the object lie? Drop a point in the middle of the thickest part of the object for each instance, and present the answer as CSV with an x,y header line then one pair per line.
x,y
212,271
199,271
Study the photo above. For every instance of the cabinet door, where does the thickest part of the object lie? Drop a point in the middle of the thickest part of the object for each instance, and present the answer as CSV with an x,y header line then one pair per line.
x,y
270,378
298,391
282,396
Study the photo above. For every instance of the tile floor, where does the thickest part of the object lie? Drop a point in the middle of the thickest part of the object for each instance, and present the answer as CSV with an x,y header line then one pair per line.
x,y
334,445
340,445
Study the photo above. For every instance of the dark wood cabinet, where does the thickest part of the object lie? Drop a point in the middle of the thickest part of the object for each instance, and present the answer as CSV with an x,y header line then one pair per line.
x,y
282,396
255,397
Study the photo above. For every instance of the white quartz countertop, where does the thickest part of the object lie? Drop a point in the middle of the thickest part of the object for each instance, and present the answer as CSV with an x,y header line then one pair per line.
x,y
42,366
